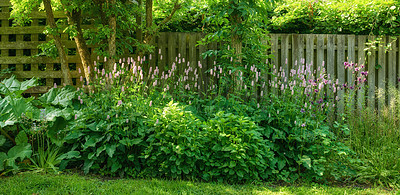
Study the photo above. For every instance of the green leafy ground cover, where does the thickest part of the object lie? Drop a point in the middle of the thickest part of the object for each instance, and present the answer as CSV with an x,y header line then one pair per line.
x,y
36,183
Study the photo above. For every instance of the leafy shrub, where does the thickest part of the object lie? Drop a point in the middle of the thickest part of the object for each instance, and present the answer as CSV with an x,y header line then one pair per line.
x,y
172,148
233,150
334,17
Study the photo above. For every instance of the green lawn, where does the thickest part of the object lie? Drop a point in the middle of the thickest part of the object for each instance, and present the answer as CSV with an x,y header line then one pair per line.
x,y
35,183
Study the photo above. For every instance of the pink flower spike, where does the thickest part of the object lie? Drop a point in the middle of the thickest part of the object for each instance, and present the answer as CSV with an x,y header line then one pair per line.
x,y
108,117
119,102
81,101
76,116
55,85
127,120
79,70
151,102
157,121
122,88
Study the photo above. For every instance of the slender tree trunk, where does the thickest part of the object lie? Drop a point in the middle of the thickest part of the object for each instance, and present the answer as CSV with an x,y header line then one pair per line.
x,y
112,48
66,74
149,21
139,31
236,42
74,18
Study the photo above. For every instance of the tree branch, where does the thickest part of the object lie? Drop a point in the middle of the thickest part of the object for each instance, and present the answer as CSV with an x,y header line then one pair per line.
x,y
167,19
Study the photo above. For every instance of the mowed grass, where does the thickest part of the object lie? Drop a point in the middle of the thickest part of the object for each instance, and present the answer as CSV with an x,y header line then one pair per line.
x,y
36,183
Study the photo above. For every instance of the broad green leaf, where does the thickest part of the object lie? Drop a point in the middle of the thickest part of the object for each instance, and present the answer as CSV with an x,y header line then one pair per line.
x,y
70,155
87,165
21,138
59,96
3,157
92,141
130,142
115,167
2,140
110,150
12,86
20,151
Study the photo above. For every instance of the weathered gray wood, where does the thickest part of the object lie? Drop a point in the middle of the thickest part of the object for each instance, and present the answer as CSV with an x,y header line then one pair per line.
x,y
171,49
330,63
351,72
274,48
341,70
192,52
392,72
320,52
300,45
371,76
162,45
295,50
361,62
285,52
382,74
310,51
351,53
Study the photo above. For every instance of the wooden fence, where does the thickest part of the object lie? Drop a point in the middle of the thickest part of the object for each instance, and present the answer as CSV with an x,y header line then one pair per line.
x,y
18,47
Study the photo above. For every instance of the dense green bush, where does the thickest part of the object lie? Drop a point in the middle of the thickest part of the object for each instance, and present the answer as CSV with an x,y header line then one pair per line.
x,y
360,17
334,17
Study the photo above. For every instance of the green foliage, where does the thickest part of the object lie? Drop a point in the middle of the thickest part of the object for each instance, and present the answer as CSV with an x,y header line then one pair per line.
x,y
236,150
336,17
374,136
18,153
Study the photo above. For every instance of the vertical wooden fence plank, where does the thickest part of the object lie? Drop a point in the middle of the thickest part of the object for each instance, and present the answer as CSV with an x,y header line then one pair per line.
x,y
351,59
183,37
285,52
192,51
371,76
340,70
300,45
201,62
392,71
172,49
274,48
381,73
361,61
310,51
162,43
295,50
320,52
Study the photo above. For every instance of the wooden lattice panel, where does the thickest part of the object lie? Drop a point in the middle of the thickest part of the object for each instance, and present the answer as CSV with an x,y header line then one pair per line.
x,y
19,51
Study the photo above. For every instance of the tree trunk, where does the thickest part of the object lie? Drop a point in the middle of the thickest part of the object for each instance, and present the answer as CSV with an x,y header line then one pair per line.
x,y
149,21
66,74
236,41
112,48
74,18
139,31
